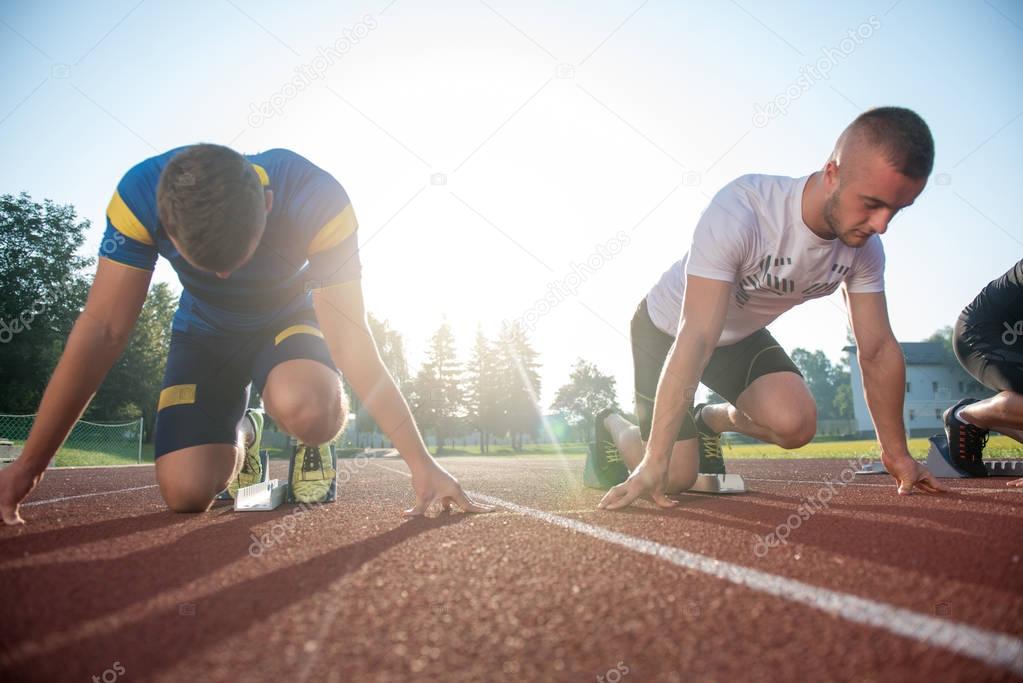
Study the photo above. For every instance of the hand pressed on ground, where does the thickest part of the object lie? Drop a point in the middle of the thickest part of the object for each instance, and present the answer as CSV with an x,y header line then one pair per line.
x,y
436,485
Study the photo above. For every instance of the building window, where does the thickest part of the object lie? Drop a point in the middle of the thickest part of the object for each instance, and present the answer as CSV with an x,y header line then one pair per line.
x,y
912,414
908,384
934,387
937,413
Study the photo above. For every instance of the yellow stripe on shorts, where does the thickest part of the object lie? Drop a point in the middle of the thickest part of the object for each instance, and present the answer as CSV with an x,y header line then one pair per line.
x,y
179,394
297,329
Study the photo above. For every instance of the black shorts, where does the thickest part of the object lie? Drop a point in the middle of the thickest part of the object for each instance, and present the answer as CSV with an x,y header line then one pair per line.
x,y
206,383
988,337
730,370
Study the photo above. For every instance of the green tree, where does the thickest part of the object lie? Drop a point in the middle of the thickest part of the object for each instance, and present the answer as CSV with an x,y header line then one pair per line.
x,y
481,382
518,383
132,387
44,288
943,336
437,392
588,392
824,379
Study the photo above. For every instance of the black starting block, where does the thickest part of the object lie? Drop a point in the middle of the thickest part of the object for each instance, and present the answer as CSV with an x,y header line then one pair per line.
x,y
939,462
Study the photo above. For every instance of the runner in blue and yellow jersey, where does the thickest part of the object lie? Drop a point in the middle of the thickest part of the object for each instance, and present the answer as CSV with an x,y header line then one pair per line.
x,y
266,248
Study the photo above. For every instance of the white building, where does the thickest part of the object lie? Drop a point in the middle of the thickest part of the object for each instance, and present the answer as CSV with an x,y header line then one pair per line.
x,y
933,383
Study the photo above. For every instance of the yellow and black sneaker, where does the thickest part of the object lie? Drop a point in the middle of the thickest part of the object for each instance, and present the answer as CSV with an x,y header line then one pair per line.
x,y
709,443
604,466
252,471
313,476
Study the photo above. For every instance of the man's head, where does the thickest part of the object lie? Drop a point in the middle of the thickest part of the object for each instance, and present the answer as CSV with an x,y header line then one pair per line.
x,y
213,207
880,165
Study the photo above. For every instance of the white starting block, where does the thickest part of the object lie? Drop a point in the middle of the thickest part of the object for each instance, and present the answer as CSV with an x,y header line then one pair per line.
x,y
939,462
718,483
266,495
873,468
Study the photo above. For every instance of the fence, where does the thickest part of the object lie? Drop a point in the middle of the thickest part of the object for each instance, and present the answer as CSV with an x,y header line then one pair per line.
x,y
90,442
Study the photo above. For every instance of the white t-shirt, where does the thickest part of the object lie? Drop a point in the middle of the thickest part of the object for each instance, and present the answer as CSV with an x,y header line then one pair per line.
x,y
753,236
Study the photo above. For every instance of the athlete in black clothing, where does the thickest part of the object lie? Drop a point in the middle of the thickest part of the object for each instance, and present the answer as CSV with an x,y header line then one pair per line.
x,y
988,341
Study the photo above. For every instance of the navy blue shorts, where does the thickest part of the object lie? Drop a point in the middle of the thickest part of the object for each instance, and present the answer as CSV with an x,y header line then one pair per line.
x,y
207,380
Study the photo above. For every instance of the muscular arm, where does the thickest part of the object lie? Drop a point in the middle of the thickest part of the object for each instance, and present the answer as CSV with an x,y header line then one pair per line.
x,y
883,368
342,317
95,343
703,316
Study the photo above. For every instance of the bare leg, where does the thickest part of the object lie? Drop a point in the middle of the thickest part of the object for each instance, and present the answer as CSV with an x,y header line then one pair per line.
x,y
1002,412
777,408
627,439
684,457
190,478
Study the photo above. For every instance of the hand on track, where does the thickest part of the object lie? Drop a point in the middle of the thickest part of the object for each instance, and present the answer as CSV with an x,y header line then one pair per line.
x,y
646,481
436,485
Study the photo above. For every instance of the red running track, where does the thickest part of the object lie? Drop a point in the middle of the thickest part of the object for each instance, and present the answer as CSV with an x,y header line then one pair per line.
x,y
104,582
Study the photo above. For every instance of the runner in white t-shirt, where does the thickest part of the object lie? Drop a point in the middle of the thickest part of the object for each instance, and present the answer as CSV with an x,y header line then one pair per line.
x,y
764,245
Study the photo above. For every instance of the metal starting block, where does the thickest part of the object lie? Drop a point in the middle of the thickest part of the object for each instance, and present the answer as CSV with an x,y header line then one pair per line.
x,y
939,462
873,468
718,483
266,495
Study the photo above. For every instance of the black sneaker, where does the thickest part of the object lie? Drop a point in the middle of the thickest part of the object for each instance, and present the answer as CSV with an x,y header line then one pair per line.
x,y
601,434
709,442
604,466
965,441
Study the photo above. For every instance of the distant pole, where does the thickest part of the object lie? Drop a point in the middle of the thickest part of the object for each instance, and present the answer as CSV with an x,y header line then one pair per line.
x,y
141,425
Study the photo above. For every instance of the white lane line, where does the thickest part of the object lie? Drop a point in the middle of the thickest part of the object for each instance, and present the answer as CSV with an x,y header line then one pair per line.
x,y
891,485
87,495
991,648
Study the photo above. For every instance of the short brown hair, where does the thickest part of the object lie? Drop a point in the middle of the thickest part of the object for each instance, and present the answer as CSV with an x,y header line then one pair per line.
x,y
210,200
901,135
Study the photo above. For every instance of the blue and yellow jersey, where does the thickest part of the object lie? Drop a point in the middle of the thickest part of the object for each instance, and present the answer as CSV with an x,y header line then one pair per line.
x,y
310,242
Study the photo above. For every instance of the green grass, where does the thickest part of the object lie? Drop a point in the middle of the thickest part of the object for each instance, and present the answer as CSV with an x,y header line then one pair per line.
x,y
998,447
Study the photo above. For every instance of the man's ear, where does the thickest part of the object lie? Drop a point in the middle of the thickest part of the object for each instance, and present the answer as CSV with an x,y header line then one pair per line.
x,y
269,196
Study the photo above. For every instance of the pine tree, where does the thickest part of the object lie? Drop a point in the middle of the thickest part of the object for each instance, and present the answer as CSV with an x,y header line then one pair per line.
x,y
481,384
437,392
518,383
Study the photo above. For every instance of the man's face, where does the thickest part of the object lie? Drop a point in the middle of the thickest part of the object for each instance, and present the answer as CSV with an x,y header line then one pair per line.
x,y
867,194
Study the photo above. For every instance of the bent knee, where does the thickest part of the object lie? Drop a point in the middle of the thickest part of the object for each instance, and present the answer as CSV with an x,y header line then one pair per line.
x,y
796,434
680,482
187,498
310,417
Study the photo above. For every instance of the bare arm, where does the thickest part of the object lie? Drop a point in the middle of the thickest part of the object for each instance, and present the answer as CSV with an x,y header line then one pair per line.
x,y
703,317
883,368
95,343
342,316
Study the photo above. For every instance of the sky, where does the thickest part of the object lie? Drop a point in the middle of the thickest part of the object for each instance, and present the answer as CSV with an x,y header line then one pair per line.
x,y
500,152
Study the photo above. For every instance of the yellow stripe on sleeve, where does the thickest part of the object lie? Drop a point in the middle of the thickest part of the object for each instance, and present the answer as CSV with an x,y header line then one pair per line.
x,y
264,177
339,228
297,329
122,218
179,394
